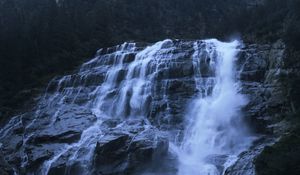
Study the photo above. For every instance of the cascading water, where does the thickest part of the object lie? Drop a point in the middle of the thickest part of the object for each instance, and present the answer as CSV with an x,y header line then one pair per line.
x,y
134,92
136,82
215,133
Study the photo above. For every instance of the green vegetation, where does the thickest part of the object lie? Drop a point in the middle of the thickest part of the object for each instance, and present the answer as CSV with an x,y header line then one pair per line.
x,y
40,39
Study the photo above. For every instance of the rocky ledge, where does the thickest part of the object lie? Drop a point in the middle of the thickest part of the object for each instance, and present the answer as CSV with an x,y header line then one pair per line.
x,y
62,134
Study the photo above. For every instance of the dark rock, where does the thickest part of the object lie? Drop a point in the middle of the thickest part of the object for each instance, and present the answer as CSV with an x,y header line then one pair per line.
x,y
119,153
128,58
36,155
128,139
5,168
262,72
65,128
245,163
281,158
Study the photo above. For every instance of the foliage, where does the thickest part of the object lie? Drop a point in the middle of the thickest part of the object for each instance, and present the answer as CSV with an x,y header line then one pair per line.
x,y
40,39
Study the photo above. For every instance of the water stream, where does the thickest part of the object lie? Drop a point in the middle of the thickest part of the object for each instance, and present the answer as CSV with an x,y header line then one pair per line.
x,y
155,84
215,132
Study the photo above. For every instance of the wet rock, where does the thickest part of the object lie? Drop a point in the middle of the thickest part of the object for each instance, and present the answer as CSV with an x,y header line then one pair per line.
x,y
37,154
122,152
5,168
262,71
111,150
261,84
123,147
252,75
245,163
11,141
123,143
280,158
67,163
121,75
94,79
65,128
128,58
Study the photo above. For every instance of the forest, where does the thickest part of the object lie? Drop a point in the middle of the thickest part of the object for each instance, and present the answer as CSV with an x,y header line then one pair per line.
x,y
41,38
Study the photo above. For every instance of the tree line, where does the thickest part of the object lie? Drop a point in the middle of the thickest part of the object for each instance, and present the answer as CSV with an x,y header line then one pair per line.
x,y
41,38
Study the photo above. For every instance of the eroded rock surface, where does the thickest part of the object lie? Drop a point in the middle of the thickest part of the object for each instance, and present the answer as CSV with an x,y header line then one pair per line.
x,y
118,112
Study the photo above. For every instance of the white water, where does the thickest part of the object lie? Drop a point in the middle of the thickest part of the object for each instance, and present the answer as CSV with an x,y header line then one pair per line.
x,y
214,126
87,143
137,81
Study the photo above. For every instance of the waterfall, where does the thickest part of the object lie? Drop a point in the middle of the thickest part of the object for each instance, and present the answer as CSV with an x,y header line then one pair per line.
x,y
215,132
123,94
139,93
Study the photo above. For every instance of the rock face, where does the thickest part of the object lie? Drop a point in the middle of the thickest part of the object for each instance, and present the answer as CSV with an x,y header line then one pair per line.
x,y
119,111
265,79
261,79
119,153
120,149
5,168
